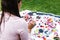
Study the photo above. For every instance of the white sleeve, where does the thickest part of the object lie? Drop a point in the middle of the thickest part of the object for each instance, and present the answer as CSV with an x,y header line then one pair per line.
x,y
23,30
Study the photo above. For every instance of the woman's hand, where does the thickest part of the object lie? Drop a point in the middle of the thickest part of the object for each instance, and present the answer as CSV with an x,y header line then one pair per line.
x,y
31,24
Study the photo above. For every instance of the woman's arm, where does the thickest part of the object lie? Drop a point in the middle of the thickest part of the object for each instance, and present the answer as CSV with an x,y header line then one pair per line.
x,y
23,30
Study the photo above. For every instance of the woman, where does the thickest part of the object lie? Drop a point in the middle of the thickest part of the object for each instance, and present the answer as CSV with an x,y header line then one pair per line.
x,y
12,26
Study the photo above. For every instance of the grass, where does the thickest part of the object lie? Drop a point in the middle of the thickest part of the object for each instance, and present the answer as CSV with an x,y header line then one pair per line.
x,y
0,5
49,6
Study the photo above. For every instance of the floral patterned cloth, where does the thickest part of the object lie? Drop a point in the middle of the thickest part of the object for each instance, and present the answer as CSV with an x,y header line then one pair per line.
x,y
47,26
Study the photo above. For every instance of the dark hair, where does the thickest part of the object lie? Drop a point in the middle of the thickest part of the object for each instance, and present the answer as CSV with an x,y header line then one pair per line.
x,y
10,6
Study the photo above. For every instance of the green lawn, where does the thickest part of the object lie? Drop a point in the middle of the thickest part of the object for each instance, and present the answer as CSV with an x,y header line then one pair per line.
x,y
49,6
0,5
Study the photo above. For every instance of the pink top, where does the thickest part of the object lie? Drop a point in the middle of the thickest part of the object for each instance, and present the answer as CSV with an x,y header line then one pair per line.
x,y
15,28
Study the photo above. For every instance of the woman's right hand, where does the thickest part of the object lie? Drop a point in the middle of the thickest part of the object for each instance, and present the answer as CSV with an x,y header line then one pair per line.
x,y
31,24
